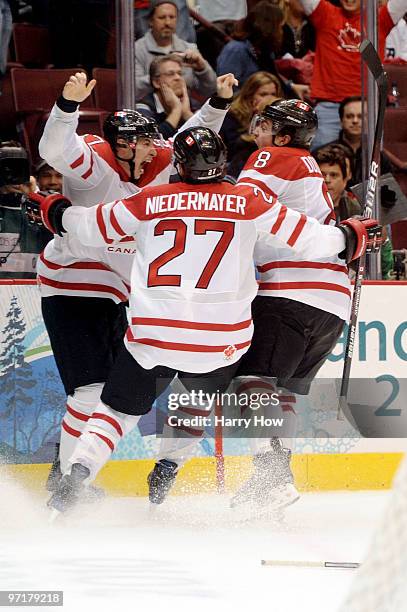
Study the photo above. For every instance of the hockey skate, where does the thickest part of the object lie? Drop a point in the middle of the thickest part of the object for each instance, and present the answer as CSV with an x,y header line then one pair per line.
x,y
89,494
271,485
160,480
69,489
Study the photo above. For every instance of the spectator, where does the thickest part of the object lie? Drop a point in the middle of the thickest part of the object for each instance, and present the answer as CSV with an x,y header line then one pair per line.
x,y
337,60
298,33
335,170
48,179
169,103
162,40
350,114
20,241
261,88
396,42
256,47
185,28
225,15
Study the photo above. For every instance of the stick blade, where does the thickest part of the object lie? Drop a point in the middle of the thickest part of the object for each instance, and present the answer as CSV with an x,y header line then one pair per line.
x,y
371,58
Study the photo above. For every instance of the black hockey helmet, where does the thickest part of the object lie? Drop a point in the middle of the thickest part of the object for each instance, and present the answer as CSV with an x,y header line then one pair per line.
x,y
293,117
200,155
130,125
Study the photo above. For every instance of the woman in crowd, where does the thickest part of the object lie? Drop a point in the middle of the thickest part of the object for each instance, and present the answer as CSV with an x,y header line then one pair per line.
x,y
255,47
261,88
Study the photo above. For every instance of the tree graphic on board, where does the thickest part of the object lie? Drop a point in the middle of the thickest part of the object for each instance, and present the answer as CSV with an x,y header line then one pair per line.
x,y
15,374
45,414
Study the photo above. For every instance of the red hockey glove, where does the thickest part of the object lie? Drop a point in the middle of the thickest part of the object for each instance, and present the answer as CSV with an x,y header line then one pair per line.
x,y
362,235
31,207
52,209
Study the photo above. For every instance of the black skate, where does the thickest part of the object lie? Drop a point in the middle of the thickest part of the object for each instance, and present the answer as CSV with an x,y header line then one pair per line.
x,y
55,473
89,494
160,480
69,489
271,484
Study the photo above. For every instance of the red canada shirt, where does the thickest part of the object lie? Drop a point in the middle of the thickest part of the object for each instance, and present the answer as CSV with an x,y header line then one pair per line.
x,y
337,71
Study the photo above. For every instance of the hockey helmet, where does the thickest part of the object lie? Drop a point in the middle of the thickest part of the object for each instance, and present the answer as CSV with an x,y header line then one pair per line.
x,y
129,125
200,155
290,117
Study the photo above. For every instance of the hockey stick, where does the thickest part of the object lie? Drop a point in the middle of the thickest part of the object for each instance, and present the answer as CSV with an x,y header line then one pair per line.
x,y
372,61
325,564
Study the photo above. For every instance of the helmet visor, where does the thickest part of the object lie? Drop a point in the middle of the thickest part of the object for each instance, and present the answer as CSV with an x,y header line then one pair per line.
x,y
264,125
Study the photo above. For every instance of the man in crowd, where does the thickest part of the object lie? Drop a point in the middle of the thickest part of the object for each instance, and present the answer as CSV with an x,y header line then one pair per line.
x,y
350,136
48,179
337,60
332,161
169,104
162,40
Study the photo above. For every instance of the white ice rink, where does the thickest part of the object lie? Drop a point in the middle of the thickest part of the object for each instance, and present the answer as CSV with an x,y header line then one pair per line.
x,y
191,554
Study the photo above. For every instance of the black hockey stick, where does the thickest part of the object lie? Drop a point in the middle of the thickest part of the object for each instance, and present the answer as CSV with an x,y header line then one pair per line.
x,y
372,61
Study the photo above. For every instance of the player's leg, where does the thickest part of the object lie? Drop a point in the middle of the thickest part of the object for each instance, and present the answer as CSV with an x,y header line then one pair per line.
x,y
290,343
84,333
179,442
129,392
271,480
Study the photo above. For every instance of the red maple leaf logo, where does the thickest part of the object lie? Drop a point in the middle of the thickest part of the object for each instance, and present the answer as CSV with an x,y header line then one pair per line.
x,y
349,39
229,351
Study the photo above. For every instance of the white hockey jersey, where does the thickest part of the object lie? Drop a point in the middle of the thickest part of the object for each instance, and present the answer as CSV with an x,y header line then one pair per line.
x,y
294,177
91,175
193,278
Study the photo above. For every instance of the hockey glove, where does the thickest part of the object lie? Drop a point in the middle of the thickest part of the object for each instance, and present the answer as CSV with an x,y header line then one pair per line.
x,y
31,207
362,236
52,209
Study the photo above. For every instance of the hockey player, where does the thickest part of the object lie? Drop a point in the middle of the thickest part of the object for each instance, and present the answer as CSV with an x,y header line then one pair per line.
x,y
191,287
84,332
302,304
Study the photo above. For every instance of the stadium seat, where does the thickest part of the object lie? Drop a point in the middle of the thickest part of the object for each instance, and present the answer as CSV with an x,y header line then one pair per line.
x,y
106,88
8,116
34,93
395,131
32,45
399,235
397,73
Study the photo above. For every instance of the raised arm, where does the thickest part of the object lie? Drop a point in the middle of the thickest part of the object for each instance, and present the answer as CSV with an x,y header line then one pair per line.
x,y
60,145
284,227
309,6
396,9
213,112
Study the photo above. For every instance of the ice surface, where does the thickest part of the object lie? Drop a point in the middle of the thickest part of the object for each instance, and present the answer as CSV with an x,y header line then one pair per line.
x,y
191,554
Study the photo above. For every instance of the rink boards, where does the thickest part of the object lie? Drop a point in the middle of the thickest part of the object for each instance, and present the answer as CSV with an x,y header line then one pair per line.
x,y
29,417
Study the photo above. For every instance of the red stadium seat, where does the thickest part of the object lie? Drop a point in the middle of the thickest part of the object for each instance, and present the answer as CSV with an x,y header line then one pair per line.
x,y
34,93
32,45
399,235
106,88
395,132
